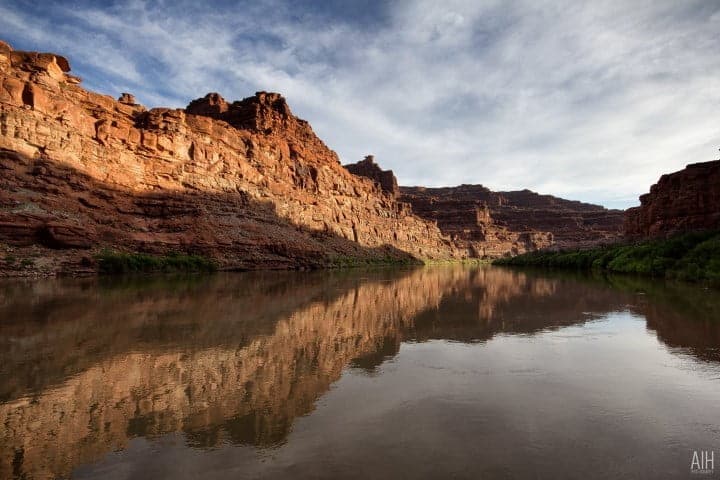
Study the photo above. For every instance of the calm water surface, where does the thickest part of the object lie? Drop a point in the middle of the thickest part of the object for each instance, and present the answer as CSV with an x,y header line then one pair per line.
x,y
444,372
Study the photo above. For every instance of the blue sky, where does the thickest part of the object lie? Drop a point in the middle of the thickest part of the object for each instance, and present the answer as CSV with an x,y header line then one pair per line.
x,y
587,100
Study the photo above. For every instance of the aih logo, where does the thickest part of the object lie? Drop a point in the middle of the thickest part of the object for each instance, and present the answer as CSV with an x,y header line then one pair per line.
x,y
703,462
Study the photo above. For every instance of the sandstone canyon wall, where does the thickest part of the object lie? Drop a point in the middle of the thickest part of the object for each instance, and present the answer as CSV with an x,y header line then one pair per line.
x,y
485,224
246,183
681,201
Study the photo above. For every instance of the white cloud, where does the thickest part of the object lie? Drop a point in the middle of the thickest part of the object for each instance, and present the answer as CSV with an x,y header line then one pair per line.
x,y
592,101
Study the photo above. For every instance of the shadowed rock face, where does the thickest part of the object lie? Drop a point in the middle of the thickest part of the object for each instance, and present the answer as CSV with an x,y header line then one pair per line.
x,y
86,171
67,213
681,201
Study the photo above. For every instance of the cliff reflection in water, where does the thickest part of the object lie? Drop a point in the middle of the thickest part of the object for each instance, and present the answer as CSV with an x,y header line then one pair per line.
x,y
86,365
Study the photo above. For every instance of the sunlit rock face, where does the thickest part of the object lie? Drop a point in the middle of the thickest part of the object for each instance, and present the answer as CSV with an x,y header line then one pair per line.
x,y
682,201
245,182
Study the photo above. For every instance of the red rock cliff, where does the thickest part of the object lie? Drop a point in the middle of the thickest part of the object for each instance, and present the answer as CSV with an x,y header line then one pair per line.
x,y
246,183
500,223
680,201
573,224
463,214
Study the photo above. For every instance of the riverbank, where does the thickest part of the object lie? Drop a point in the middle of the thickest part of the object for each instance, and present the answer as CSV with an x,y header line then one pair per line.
x,y
37,262
691,257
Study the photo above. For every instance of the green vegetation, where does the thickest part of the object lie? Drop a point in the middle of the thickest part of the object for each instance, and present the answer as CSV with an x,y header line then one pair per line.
x,y
455,261
118,262
22,263
692,257
341,261
389,260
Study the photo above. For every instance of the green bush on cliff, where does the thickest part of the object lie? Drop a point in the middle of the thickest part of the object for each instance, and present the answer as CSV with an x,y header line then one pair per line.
x,y
119,262
692,256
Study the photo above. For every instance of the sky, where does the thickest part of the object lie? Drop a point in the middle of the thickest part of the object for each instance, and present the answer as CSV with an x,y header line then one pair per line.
x,y
588,100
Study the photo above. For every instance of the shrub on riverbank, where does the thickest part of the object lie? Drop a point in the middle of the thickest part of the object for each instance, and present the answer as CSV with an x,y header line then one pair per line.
x,y
692,256
118,262
340,261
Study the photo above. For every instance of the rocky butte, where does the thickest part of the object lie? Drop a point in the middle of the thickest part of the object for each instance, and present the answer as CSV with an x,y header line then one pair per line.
x,y
246,183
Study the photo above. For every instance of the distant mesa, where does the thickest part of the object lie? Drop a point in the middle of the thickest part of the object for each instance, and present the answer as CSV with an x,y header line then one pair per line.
x,y
491,224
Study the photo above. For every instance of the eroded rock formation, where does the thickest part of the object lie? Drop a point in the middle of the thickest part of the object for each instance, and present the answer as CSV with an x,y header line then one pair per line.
x,y
369,169
246,183
573,224
493,224
681,201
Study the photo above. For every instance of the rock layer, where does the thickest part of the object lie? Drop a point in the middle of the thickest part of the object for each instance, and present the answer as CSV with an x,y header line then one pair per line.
x,y
246,183
681,201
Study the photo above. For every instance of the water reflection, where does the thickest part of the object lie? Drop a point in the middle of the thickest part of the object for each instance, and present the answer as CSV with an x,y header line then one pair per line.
x,y
684,317
87,365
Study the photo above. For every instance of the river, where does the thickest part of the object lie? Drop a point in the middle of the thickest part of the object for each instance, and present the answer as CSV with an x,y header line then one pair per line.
x,y
435,372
